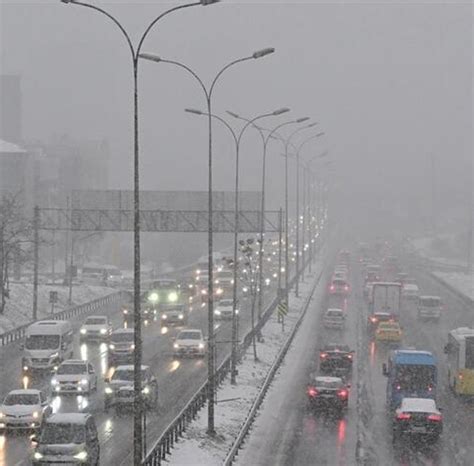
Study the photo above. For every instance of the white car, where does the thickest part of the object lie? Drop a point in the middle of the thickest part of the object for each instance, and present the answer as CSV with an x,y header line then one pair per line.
x,y
410,291
189,342
95,328
24,409
74,376
224,309
334,318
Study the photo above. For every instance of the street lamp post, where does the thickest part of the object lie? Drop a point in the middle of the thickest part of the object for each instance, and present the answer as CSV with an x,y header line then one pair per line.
x,y
210,290
237,140
135,51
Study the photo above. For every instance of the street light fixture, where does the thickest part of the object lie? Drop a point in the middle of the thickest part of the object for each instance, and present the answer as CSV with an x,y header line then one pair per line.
x,y
208,92
137,363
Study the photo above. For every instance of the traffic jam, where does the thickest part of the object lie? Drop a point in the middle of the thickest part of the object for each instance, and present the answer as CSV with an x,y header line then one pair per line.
x,y
72,389
392,344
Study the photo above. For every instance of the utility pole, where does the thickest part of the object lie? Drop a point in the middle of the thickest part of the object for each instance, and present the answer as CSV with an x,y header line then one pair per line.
x,y
36,260
433,195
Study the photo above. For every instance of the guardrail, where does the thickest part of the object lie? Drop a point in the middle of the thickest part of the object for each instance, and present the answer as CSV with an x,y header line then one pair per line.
x,y
175,429
86,308
268,379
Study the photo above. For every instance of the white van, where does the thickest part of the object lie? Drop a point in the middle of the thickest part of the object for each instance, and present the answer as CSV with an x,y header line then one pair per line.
x,y
410,291
47,344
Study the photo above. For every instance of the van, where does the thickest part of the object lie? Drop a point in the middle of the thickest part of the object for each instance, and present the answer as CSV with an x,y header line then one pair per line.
x,y
410,291
429,307
67,438
47,344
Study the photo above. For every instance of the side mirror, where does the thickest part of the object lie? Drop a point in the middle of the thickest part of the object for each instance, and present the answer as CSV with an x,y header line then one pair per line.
x,y
349,385
63,346
22,346
384,369
34,440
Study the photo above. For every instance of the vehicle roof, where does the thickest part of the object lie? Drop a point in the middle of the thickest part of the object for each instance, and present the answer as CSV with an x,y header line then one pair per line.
x,y
73,361
195,330
25,391
327,379
336,347
96,317
334,309
382,314
387,284
420,405
45,327
68,418
129,367
413,357
429,297
462,332
410,286
123,330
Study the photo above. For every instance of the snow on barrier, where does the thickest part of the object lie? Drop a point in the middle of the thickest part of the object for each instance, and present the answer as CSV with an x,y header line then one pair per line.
x,y
162,447
86,308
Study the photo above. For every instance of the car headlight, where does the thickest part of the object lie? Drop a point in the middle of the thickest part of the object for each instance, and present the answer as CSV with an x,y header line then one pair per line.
x,y
164,316
175,346
125,311
201,346
245,289
219,291
82,455
37,455
111,346
217,312
146,391
236,312
54,382
132,346
35,415
108,391
103,331
203,291
2,415
173,297
153,297
54,356
84,381
83,331
181,317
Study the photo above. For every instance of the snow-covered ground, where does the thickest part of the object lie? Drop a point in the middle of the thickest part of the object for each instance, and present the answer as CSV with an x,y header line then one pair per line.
x,y
19,306
197,448
463,282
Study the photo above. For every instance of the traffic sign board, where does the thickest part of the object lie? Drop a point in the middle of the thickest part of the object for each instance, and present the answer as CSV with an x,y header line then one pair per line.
x,y
282,308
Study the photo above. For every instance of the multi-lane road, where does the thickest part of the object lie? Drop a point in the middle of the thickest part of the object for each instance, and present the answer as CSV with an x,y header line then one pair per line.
x,y
178,380
309,438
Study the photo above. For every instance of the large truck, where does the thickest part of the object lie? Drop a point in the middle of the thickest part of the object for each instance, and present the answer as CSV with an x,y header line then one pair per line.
x,y
386,297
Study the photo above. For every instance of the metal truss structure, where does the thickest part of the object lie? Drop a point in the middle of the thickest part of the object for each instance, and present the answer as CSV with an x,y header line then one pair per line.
x,y
184,221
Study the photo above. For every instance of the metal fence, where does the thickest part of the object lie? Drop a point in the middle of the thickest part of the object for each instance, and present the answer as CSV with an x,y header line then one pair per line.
x,y
86,308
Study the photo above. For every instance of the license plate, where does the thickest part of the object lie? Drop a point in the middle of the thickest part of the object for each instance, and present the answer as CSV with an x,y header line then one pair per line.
x,y
419,430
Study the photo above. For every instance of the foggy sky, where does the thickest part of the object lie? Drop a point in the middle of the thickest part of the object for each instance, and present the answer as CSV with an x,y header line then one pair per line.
x,y
389,82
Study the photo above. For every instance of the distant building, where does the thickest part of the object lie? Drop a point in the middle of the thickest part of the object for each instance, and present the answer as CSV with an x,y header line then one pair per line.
x,y
10,109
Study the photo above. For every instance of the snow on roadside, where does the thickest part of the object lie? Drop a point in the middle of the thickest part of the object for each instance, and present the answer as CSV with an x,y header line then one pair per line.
x,y
196,447
19,306
463,282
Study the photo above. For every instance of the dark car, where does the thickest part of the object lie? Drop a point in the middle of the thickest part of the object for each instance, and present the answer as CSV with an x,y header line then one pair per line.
x,y
328,393
418,417
336,359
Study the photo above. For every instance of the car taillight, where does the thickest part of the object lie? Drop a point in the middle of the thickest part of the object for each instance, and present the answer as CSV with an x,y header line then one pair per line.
x,y
346,288
312,392
332,288
434,417
323,355
373,320
349,356
343,393
403,416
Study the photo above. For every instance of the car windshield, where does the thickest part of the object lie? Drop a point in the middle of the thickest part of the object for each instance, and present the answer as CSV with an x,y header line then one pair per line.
x,y
39,342
189,336
334,313
339,282
342,348
225,302
96,321
21,399
63,433
64,369
122,337
125,374
430,302
388,326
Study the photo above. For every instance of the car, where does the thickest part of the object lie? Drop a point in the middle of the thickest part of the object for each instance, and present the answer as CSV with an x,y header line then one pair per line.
x,y
74,376
119,389
372,276
224,309
334,318
174,314
189,342
410,291
417,417
339,274
336,359
339,286
95,328
388,332
24,409
401,277
429,307
121,346
67,438
327,393
375,319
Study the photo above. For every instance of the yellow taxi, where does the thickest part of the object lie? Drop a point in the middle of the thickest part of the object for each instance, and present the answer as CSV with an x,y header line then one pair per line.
x,y
388,332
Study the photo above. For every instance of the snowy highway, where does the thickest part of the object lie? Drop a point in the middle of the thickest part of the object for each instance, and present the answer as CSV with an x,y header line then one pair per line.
x,y
286,432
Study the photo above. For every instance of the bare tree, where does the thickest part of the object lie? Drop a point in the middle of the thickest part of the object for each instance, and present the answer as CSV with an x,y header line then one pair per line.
x,y
15,241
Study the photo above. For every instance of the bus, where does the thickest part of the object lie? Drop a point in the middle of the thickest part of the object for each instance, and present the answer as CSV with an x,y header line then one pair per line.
x,y
460,358
410,373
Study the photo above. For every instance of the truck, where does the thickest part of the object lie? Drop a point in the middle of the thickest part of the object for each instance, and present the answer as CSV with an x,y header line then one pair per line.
x,y
386,297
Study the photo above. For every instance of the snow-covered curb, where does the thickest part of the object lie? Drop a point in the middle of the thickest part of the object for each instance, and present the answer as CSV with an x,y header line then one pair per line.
x,y
234,402
18,309
462,282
